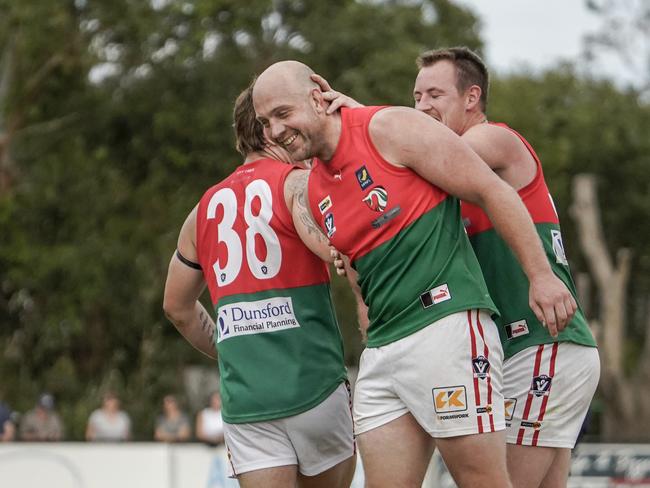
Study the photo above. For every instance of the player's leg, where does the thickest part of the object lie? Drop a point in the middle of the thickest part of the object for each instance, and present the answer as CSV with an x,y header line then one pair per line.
x,y
458,399
529,465
557,475
476,459
548,389
278,477
396,454
323,439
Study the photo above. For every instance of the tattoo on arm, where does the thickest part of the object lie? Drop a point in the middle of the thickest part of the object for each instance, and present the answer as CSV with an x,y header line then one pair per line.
x,y
208,326
298,187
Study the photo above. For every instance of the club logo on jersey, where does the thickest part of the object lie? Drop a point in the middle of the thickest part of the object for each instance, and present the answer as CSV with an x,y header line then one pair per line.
x,y
541,385
558,248
325,204
481,367
517,329
363,177
509,405
385,218
329,224
435,295
377,199
449,399
258,317
535,425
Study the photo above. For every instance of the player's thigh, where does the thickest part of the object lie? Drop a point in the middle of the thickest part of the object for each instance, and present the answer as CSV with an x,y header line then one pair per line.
x,y
557,475
548,389
278,477
323,437
476,459
338,476
396,454
528,465
449,375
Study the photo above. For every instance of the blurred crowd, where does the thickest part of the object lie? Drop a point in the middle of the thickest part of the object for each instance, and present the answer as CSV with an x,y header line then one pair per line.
x,y
110,423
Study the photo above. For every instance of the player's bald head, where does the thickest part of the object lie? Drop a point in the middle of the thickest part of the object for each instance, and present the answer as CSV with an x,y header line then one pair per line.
x,y
285,77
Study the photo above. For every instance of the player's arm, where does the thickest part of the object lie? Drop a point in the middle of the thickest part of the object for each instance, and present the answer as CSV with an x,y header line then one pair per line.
x,y
409,138
504,152
295,195
184,286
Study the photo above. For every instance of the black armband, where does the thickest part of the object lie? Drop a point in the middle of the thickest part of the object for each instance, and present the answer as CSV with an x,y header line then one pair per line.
x,y
187,262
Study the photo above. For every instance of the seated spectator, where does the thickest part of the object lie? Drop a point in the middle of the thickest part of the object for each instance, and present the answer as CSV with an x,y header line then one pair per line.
x,y
209,425
109,423
173,425
7,426
42,423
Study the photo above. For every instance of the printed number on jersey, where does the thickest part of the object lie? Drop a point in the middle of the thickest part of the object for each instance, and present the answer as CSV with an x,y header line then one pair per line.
x,y
255,225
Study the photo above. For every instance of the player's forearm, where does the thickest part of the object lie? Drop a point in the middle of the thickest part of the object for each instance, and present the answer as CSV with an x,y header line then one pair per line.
x,y
196,325
512,221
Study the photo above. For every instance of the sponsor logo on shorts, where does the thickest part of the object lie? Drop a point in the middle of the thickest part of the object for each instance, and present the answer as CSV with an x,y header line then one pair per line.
x,y
325,204
517,329
481,367
387,217
363,177
377,199
329,224
541,385
535,425
450,399
509,405
558,248
261,316
486,409
436,295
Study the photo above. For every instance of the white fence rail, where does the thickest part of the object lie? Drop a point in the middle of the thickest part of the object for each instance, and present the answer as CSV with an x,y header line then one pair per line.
x,y
154,465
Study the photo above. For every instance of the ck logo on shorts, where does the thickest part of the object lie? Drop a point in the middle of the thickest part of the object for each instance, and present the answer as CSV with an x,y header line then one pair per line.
x,y
541,385
481,367
450,399
509,405
534,425
363,177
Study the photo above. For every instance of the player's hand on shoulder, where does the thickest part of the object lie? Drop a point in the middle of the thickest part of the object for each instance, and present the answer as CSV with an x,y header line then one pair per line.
x,y
552,302
335,99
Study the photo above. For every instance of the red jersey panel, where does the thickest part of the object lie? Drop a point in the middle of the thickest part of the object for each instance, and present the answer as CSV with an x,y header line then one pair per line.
x,y
358,198
535,196
245,238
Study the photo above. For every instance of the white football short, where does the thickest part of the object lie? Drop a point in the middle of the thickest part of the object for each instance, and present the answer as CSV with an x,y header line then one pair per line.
x,y
447,375
315,440
547,390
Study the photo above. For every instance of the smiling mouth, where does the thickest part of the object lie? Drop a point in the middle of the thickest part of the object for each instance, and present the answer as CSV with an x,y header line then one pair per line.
x,y
287,142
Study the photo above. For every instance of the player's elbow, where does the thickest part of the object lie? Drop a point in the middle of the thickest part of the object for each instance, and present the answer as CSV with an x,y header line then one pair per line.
x,y
174,309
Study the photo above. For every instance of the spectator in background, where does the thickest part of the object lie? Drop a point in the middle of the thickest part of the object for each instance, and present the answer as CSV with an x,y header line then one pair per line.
x,y
42,423
209,425
109,423
7,426
173,425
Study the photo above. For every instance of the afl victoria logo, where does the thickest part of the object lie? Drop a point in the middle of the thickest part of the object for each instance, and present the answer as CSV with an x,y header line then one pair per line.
x,y
377,199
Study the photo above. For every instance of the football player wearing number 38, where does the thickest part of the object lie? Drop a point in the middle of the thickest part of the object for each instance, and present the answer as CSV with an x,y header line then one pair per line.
x,y
286,403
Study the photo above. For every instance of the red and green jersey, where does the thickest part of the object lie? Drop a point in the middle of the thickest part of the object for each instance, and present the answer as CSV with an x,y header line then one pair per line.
x,y
279,346
508,285
403,235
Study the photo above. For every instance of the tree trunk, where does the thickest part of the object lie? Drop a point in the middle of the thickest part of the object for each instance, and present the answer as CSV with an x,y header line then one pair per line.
x,y
626,399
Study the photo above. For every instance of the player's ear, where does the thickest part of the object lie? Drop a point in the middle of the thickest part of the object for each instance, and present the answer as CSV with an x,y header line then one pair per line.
x,y
473,97
317,100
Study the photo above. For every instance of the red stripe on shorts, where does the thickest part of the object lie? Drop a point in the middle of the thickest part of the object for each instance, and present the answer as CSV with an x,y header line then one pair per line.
x,y
529,399
551,373
486,351
477,393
